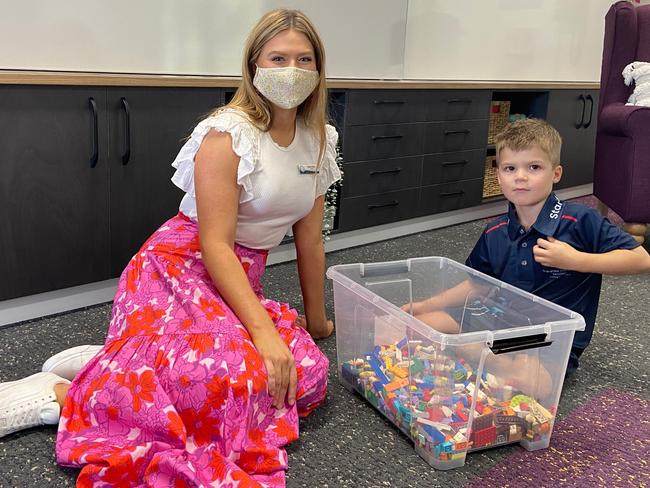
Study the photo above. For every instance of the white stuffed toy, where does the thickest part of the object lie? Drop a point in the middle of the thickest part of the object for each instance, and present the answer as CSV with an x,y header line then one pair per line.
x,y
640,73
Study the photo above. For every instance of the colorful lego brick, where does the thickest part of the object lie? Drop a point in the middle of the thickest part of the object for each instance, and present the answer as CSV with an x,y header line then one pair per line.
x,y
395,385
483,422
375,365
436,436
460,446
418,389
399,372
485,437
417,366
461,415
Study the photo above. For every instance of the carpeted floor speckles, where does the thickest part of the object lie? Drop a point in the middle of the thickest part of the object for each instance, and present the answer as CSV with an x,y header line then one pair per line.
x,y
346,443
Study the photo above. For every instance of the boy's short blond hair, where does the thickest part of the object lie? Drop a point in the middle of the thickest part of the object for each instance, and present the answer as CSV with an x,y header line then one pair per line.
x,y
528,133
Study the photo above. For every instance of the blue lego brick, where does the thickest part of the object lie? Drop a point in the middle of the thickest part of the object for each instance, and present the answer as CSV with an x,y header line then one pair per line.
x,y
374,364
437,436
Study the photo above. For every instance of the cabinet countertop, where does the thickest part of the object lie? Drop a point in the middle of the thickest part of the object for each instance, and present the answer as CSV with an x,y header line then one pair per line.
x,y
18,77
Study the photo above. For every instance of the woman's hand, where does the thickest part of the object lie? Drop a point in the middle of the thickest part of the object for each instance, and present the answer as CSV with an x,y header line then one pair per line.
x,y
317,332
280,365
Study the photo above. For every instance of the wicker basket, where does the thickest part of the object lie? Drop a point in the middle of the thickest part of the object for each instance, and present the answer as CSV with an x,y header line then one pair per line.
x,y
491,186
499,112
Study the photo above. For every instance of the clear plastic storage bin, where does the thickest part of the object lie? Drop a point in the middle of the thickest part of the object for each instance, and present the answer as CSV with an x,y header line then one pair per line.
x,y
493,377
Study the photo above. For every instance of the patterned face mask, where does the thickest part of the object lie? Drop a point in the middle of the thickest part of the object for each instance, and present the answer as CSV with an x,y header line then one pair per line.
x,y
285,87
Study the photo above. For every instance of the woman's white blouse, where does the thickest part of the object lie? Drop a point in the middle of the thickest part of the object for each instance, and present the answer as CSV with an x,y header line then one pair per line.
x,y
274,193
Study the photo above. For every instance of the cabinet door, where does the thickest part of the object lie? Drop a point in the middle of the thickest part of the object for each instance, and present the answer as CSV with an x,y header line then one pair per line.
x,y
381,176
53,203
568,112
588,136
366,211
366,107
147,127
365,142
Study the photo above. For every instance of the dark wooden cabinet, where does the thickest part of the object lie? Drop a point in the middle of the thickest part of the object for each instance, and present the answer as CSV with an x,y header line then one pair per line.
x,y
574,113
450,196
85,183
369,210
369,177
368,107
455,136
54,198
454,166
86,170
409,153
147,127
457,104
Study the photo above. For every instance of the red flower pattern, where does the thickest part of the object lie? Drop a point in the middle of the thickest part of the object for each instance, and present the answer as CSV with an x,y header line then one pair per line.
x,y
193,371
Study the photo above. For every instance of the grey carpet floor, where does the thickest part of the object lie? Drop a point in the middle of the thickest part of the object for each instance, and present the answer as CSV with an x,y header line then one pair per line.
x,y
345,442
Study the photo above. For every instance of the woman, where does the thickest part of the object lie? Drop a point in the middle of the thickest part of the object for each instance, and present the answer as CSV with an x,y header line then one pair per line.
x,y
202,379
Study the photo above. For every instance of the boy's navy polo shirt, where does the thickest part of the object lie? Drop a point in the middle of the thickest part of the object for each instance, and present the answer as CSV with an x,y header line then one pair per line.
x,y
505,251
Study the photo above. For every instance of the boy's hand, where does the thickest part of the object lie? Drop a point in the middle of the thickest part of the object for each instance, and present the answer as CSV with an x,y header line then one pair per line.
x,y
419,308
556,254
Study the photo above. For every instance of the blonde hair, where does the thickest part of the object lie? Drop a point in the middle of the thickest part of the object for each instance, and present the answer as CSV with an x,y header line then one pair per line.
x,y
247,99
529,133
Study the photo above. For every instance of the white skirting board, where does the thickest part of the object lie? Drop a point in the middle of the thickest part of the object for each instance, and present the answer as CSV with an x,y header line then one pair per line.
x,y
58,301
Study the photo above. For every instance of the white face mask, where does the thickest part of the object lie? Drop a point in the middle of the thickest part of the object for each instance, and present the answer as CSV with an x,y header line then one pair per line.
x,y
285,87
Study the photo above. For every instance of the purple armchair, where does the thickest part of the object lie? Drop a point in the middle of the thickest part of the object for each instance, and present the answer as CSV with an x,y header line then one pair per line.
x,y
622,165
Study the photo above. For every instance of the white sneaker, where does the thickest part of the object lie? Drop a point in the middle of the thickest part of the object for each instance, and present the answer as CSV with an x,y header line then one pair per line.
x,y
29,402
69,362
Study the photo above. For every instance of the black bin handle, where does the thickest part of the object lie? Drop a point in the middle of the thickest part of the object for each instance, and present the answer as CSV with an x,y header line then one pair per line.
x,y
512,344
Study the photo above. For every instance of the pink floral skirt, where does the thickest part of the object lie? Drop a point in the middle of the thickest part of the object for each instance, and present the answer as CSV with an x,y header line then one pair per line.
x,y
177,397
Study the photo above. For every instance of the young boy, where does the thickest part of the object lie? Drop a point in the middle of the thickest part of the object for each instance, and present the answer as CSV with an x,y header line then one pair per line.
x,y
556,250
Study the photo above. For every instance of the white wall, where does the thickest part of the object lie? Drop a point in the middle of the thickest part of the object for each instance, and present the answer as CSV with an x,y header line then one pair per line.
x,y
363,38
511,40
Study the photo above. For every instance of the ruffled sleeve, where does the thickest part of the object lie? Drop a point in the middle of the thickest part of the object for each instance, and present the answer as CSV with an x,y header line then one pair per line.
x,y
329,171
245,144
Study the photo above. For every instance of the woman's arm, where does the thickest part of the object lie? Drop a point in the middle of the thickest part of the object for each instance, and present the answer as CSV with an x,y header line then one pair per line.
x,y
310,250
559,254
217,200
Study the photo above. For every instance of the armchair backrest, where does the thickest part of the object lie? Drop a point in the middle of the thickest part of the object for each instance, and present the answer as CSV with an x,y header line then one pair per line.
x,y
643,30
627,39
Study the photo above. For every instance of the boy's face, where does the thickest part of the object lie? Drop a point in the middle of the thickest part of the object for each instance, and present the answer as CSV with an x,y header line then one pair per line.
x,y
527,177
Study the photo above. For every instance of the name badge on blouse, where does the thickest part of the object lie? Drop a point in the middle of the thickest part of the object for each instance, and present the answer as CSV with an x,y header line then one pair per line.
x,y
307,169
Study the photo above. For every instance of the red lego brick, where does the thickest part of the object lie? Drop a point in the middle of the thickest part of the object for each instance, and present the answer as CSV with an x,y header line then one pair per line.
x,y
484,437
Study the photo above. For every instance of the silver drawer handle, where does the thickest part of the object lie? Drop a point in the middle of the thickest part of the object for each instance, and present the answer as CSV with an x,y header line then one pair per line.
x,y
388,102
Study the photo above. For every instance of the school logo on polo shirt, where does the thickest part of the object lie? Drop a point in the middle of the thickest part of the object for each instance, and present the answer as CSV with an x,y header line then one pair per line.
x,y
555,273
555,212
